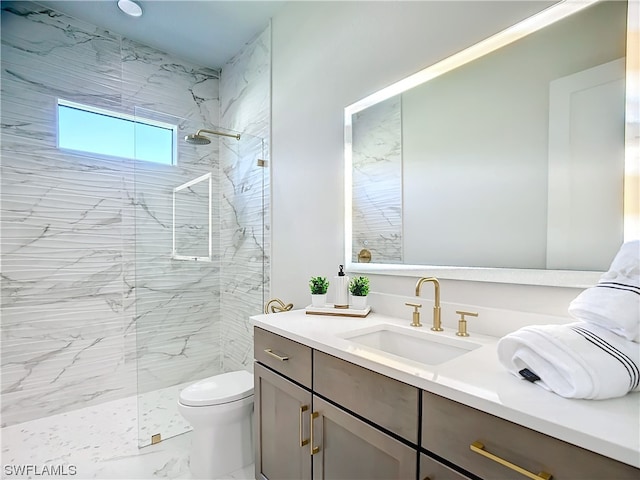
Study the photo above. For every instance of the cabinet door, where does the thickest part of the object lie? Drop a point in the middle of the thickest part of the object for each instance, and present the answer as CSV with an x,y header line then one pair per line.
x,y
431,469
348,448
282,413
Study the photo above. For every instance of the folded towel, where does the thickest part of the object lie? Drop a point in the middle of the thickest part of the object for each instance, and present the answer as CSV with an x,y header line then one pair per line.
x,y
614,302
626,263
576,360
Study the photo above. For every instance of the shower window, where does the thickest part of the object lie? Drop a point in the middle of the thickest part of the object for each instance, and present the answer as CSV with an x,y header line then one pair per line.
x,y
102,132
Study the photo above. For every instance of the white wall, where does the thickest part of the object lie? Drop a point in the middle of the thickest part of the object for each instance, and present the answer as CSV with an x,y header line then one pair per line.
x,y
325,57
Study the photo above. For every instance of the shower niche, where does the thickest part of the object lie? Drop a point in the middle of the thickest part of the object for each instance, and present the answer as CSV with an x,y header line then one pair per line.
x,y
191,226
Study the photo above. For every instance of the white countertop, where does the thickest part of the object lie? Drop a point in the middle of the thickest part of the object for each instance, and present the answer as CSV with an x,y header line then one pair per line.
x,y
608,427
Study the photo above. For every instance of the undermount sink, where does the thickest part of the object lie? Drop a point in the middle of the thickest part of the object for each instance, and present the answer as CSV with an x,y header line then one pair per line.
x,y
420,346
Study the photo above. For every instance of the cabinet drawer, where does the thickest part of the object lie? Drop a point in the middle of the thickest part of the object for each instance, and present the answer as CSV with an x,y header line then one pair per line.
x,y
450,428
285,356
384,401
431,469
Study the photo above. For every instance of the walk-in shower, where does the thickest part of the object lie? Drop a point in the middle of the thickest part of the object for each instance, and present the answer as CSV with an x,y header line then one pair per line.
x,y
199,267
101,323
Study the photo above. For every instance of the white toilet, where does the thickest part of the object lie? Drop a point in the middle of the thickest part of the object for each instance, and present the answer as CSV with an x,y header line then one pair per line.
x,y
220,410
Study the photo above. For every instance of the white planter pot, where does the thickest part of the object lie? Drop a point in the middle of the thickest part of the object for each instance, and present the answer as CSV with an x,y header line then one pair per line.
x,y
319,300
358,303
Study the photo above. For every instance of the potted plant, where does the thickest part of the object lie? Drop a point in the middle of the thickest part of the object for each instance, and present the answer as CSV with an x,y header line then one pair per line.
x,y
318,287
359,289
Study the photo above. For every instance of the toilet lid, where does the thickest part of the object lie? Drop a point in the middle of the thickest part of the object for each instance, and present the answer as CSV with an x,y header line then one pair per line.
x,y
223,388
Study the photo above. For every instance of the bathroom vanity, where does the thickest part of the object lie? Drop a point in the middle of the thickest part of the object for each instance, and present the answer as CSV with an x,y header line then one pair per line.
x,y
333,401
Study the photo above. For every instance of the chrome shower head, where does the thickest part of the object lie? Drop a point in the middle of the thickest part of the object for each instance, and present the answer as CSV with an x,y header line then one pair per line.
x,y
196,139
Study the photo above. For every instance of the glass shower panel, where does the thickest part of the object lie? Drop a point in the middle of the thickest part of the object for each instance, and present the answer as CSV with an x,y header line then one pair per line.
x,y
244,259
182,268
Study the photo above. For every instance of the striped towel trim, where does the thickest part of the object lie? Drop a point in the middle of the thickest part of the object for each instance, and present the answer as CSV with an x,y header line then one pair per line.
x,y
627,363
620,286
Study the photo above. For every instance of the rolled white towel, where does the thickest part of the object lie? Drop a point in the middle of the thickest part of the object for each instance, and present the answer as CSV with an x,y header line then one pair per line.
x,y
577,360
611,305
626,263
614,303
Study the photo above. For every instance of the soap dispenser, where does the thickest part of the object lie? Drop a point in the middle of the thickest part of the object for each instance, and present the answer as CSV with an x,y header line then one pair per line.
x,y
341,282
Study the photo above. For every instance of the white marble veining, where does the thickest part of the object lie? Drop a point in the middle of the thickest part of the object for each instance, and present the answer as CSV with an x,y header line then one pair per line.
x,y
89,290
608,427
157,414
93,307
244,203
100,442
377,181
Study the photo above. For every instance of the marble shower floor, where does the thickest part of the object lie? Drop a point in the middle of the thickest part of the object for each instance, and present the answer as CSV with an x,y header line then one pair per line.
x,y
160,414
100,442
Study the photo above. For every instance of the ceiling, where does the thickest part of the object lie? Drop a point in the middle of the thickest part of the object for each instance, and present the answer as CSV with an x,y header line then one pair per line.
x,y
205,32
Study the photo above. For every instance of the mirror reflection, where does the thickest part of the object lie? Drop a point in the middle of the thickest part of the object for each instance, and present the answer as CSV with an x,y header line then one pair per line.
x,y
514,160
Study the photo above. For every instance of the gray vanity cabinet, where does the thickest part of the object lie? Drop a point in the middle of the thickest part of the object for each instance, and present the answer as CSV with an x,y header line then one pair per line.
x,y
321,417
351,444
496,449
282,412
348,448
387,402
282,407
431,469
333,430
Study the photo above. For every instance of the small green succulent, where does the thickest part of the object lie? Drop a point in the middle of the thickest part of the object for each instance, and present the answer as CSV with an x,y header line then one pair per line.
x,y
359,286
318,285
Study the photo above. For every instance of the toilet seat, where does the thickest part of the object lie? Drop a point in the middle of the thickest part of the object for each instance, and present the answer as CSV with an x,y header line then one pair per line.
x,y
219,389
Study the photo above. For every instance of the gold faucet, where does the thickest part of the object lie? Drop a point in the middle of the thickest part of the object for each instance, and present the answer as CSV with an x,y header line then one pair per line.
x,y
437,326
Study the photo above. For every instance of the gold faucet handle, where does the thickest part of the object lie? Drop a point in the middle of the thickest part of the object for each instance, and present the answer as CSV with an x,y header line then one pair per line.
x,y
416,313
462,322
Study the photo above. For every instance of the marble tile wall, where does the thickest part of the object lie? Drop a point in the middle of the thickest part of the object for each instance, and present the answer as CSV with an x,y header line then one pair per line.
x,y
377,181
245,198
89,289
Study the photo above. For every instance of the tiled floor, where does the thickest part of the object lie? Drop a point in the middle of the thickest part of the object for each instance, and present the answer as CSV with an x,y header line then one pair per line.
x,y
98,442
158,413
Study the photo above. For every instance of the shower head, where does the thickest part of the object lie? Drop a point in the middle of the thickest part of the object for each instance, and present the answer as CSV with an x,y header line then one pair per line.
x,y
195,139
198,139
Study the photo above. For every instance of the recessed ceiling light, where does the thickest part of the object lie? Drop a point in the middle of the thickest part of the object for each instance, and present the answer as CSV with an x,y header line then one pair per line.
x,y
130,8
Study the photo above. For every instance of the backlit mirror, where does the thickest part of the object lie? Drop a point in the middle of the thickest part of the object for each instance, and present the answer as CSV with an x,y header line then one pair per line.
x,y
505,162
